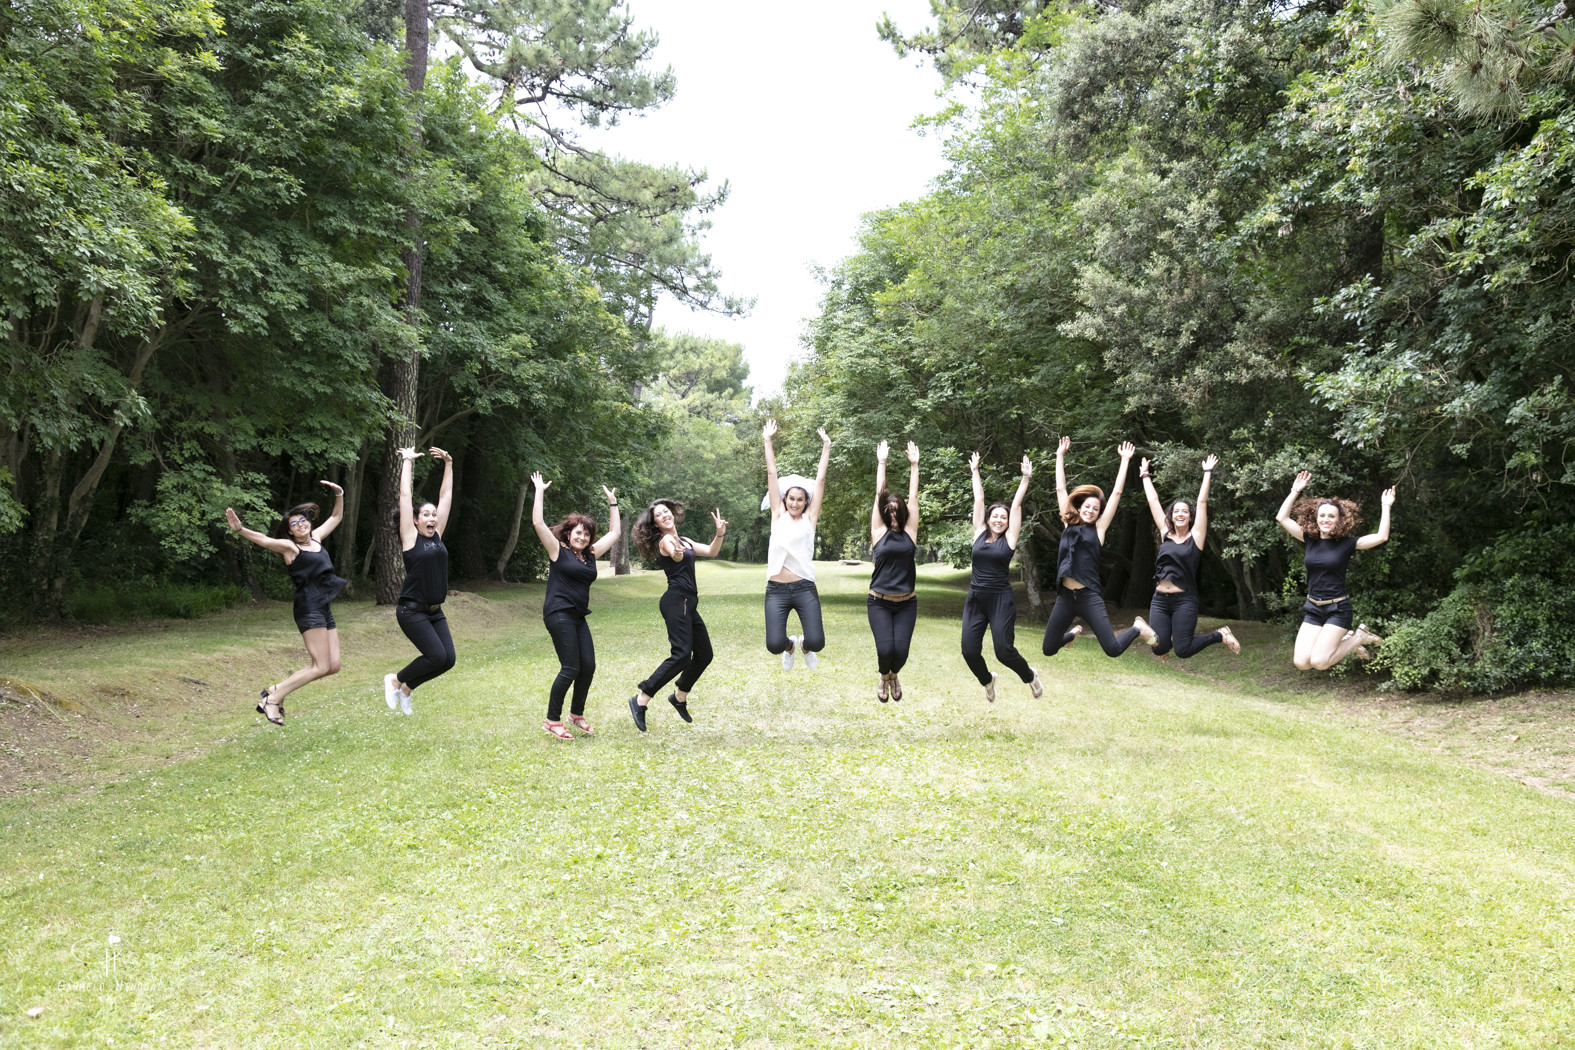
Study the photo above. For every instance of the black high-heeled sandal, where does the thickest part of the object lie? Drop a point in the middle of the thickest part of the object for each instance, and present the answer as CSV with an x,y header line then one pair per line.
x,y
265,702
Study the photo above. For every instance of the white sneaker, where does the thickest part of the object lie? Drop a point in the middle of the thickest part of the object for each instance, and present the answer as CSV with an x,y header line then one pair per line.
x,y
391,690
810,659
1036,687
404,702
787,655
989,690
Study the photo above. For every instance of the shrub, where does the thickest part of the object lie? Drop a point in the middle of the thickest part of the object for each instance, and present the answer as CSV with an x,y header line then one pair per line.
x,y
149,599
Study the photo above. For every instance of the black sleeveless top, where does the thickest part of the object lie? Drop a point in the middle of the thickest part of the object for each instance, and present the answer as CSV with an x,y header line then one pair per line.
x,y
895,572
1178,563
1078,556
681,574
313,575
569,583
991,562
1326,562
426,571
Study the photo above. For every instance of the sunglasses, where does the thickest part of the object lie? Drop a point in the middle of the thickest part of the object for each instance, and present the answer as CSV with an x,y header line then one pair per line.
x,y
298,521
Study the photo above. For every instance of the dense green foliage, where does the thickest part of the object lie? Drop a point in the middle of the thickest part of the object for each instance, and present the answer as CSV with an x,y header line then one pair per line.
x,y
1283,235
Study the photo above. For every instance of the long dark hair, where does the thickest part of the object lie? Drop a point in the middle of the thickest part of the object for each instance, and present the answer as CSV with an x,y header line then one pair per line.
x,y
1170,511
568,525
895,506
1075,500
987,512
310,511
646,534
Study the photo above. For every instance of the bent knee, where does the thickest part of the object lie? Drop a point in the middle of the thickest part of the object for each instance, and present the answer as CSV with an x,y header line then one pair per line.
x,y
333,667
1303,663
1164,647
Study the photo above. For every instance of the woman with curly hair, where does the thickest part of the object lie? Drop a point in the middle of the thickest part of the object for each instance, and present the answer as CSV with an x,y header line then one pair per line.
x,y
893,606
572,549
1077,590
1327,527
1173,611
656,537
990,602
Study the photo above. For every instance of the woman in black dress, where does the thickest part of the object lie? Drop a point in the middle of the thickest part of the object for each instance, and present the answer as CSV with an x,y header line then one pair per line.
x,y
305,558
1327,528
1173,611
893,606
990,601
572,549
420,608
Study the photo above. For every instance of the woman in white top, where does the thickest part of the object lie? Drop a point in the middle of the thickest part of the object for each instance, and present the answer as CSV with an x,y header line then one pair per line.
x,y
790,565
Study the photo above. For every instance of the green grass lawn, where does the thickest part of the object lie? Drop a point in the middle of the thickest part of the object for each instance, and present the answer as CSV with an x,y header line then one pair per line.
x,y
1148,856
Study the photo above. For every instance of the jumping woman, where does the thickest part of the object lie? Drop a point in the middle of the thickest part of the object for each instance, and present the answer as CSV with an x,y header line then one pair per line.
x,y
990,600
1173,611
300,546
1327,528
1077,591
656,536
790,565
572,549
893,606
420,608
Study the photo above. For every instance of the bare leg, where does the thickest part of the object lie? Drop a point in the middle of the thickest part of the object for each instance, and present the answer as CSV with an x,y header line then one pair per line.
x,y
1306,638
1333,645
322,645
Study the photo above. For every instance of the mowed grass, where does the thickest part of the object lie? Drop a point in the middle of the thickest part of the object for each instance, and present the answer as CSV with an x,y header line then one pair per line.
x,y
1144,857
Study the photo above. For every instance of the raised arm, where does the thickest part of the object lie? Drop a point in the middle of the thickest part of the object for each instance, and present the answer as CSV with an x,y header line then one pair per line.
x,y
538,522
284,548
1061,498
1283,515
1156,511
820,476
1200,523
772,491
1126,449
913,492
445,501
1014,519
603,545
877,523
978,496
1372,540
321,532
714,548
407,512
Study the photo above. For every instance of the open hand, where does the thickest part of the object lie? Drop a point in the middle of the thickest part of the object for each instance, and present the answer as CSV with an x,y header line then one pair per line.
x,y
913,452
1027,467
409,454
1126,448
542,484
232,519
825,438
1388,498
1301,481
1210,462
1143,467
1062,445
769,430
437,453
880,452
337,490
973,462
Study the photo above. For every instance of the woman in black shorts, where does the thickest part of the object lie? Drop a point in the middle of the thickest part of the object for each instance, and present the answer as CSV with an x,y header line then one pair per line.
x,y
306,560
420,609
656,536
572,549
990,602
1173,611
893,606
1327,527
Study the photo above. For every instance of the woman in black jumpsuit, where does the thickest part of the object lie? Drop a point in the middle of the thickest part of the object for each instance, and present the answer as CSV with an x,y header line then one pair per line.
x,y
305,559
656,536
1173,612
420,609
893,607
572,549
990,602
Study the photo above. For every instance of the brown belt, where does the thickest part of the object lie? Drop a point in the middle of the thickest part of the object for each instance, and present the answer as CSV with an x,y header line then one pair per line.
x,y
1328,601
892,597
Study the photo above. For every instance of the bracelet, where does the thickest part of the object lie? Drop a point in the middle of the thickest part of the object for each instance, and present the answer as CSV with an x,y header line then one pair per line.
x,y
612,506
1144,475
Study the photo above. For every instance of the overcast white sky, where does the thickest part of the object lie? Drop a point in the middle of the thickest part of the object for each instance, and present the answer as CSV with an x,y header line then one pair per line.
x,y
807,114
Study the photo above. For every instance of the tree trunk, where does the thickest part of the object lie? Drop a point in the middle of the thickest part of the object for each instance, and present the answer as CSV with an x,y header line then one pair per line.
x,y
1029,562
620,548
355,486
514,527
472,560
1140,584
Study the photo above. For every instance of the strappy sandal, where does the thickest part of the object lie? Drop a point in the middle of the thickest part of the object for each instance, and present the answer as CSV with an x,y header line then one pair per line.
x,y
556,729
896,688
264,702
881,694
579,722
681,706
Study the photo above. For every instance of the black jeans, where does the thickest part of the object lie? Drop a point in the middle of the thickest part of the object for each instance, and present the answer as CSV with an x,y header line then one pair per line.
x,y
998,609
428,631
892,625
1174,618
690,640
1090,605
799,596
571,637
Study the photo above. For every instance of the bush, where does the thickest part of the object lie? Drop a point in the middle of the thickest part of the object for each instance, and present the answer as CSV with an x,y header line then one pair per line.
x,y
148,600
1509,623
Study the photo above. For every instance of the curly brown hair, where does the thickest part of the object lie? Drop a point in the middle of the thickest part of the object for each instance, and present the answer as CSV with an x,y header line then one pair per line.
x,y
646,534
1076,498
1306,514
568,524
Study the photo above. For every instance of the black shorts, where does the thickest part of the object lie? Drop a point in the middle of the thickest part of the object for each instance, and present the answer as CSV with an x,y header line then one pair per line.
x,y
308,617
1339,613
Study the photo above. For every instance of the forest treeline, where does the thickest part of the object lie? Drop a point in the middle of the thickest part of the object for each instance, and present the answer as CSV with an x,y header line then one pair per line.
x,y
1323,236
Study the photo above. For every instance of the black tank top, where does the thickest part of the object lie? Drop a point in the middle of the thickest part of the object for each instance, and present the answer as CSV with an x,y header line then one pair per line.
x,y
426,571
1326,562
569,583
313,575
895,572
990,563
1178,563
681,574
1078,556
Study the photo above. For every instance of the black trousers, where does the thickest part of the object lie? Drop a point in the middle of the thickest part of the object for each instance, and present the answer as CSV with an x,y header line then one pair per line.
x,y
428,632
892,625
1090,605
998,609
801,597
690,641
571,637
1174,618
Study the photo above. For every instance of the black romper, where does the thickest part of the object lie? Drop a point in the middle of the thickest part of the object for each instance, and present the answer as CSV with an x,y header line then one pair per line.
x,y
990,602
1174,615
316,587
